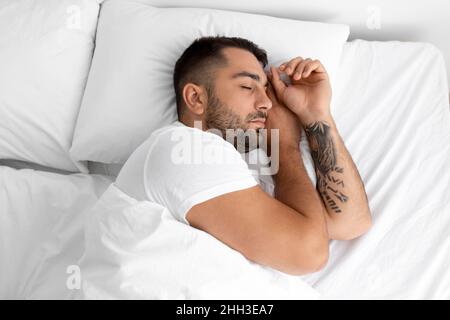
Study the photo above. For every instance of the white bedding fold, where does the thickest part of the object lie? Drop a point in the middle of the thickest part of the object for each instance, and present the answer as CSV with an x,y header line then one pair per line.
x,y
41,230
138,250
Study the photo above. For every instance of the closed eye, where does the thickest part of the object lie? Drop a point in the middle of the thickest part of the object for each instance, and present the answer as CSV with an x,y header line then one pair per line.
x,y
244,87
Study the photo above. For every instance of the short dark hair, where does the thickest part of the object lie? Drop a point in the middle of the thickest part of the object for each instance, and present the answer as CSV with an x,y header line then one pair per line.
x,y
199,61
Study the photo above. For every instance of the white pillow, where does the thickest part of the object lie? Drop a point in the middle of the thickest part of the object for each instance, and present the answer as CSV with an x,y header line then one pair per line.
x,y
129,92
45,53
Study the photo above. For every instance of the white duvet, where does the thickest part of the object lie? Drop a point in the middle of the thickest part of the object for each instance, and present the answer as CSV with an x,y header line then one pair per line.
x,y
391,108
138,250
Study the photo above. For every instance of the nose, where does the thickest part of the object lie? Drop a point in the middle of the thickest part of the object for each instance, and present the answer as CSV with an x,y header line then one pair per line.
x,y
264,102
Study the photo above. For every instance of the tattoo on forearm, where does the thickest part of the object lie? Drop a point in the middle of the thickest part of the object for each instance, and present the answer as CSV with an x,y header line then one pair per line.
x,y
323,152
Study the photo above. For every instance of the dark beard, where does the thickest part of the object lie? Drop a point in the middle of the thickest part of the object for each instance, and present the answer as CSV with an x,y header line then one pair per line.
x,y
220,117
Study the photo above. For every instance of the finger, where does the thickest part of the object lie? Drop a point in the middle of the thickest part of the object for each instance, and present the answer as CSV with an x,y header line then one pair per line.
x,y
276,82
283,65
310,68
271,93
269,79
291,65
269,89
316,66
299,70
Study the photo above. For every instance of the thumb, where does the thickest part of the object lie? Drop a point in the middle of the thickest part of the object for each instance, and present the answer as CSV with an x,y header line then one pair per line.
x,y
277,83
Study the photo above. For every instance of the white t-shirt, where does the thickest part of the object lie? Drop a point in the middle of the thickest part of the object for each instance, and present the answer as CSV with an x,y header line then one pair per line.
x,y
179,167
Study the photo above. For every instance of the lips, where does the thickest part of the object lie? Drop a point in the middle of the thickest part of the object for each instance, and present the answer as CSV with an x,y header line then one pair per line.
x,y
261,122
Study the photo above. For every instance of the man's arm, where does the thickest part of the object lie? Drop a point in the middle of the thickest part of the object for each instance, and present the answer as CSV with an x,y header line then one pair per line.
x,y
339,184
292,184
265,230
338,181
294,188
283,233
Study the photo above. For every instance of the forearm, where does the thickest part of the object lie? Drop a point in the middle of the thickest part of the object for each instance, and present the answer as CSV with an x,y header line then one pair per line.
x,y
294,188
338,181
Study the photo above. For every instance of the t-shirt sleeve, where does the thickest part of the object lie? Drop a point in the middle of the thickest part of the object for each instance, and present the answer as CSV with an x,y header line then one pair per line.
x,y
186,166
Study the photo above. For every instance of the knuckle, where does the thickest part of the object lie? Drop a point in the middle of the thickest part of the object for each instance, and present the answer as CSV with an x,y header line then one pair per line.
x,y
303,65
295,61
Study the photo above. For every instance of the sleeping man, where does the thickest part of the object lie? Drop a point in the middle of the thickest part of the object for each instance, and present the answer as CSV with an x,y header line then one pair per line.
x,y
192,168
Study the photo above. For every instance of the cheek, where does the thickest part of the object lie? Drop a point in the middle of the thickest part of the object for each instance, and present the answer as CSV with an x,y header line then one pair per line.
x,y
241,103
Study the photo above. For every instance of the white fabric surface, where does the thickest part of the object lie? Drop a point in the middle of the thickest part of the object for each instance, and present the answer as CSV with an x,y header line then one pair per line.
x,y
179,167
138,250
391,108
41,230
45,53
130,94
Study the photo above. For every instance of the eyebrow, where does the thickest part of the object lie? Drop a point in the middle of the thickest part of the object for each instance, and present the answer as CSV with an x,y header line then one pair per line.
x,y
250,75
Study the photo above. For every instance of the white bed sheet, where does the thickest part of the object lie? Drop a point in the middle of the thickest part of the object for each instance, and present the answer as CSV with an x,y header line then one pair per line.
x,y
391,107
41,230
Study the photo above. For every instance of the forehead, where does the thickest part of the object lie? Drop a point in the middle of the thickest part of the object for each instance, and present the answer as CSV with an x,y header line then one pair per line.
x,y
242,60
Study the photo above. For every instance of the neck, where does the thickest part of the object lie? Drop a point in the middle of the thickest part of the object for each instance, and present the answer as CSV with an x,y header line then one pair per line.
x,y
193,122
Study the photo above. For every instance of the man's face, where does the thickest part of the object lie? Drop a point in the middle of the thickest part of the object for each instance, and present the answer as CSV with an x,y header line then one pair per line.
x,y
239,99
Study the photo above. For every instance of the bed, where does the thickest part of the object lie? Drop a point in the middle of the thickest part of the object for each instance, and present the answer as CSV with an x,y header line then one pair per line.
x,y
391,106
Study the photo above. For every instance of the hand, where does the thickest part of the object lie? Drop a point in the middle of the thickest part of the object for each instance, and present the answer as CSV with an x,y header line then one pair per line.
x,y
281,118
309,93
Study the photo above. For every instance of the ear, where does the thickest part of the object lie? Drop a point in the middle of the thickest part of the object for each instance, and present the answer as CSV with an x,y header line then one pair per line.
x,y
195,98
